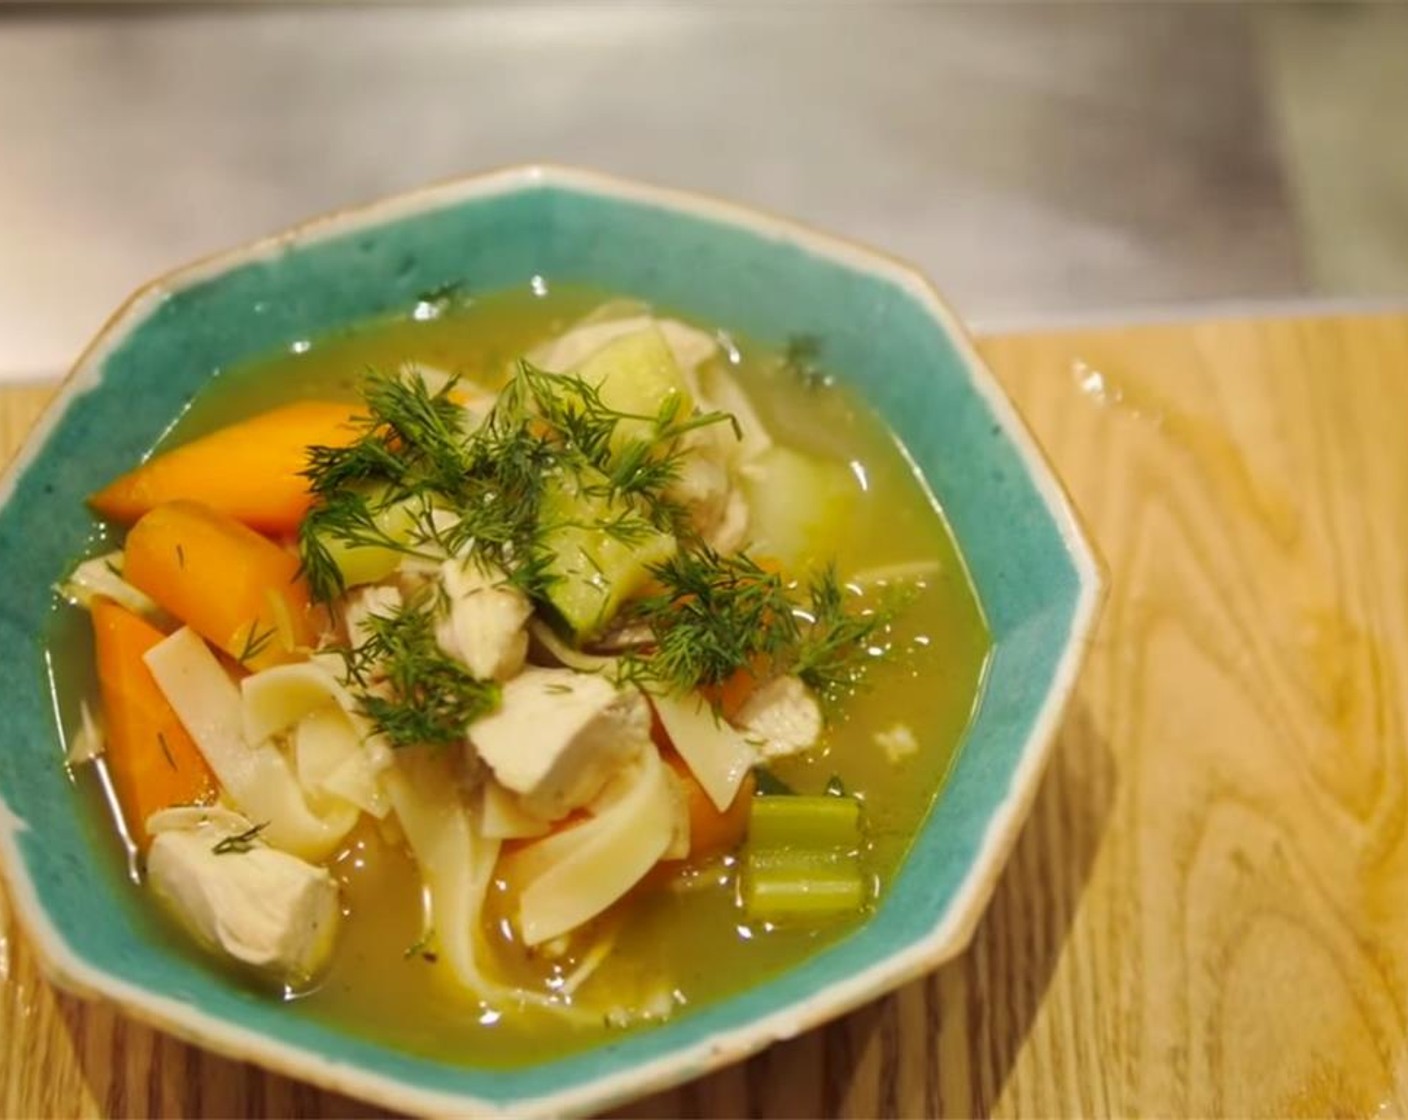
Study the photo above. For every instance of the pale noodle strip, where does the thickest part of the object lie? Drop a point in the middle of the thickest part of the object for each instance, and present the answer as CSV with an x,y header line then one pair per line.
x,y
564,654
257,778
456,864
602,859
717,755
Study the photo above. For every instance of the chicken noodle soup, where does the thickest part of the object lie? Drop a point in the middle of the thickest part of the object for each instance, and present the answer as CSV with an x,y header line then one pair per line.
x,y
518,671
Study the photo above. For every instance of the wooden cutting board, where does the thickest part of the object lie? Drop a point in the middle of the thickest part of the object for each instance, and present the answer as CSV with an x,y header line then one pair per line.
x,y
1203,914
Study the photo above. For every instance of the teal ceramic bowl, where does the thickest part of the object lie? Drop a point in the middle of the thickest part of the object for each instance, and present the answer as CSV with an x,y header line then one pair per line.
x,y
885,329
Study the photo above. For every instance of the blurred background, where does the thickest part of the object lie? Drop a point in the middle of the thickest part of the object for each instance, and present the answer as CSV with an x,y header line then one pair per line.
x,y
1045,163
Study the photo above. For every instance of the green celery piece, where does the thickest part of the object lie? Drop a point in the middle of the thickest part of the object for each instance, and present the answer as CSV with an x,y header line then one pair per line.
x,y
792,883
805,822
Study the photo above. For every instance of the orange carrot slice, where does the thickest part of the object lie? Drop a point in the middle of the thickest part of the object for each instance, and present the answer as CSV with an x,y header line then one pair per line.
x,y
730,694
152,760
238,590
250,470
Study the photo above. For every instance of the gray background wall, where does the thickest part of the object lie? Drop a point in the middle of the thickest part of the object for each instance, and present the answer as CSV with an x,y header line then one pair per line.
x,y
1044,162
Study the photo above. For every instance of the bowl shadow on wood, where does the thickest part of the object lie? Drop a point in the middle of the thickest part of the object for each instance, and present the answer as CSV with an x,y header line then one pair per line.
x,y
945,1044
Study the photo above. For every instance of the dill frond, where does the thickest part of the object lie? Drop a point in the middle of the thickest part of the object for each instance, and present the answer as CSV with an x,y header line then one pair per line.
x,y
239,843
838,644
720,615
412,691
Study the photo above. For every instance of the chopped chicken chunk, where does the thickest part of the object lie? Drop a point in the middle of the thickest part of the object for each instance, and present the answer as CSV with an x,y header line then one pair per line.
x,y
487,627
898,742
702,487
690,348
238,895
558,736
729,532
781,718
364,603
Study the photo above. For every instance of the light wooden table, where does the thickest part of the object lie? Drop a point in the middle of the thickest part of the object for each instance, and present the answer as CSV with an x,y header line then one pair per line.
x,y
1208,911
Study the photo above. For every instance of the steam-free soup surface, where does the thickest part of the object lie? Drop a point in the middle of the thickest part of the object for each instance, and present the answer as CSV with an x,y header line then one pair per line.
x,y
690,940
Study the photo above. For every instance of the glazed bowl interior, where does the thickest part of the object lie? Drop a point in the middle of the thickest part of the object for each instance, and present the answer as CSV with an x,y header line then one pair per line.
x,y
884,333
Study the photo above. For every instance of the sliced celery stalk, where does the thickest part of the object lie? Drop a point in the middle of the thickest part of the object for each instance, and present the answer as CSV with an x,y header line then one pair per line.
x,y
805,822
791,883
803,858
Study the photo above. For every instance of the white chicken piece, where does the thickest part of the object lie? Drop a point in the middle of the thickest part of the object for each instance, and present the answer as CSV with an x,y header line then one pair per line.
x,y
690,348
728,534
487,624
702,487
239,896
781,718
558,736
377,600
706,487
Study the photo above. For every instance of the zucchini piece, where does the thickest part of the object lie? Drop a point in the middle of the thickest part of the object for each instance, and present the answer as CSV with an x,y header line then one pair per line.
x,y
637,374
368,563
591,569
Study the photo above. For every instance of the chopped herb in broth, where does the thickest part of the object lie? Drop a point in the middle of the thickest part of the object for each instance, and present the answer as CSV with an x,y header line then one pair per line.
x,y
556,668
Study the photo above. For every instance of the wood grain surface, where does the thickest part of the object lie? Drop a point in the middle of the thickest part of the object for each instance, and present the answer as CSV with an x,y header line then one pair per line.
x,y
1207,913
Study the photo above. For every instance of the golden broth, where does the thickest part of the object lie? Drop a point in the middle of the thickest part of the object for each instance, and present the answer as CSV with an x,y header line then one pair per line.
x,y
382,983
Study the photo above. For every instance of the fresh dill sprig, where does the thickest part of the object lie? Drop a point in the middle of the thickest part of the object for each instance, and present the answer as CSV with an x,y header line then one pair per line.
x,y
239,843
423,948
638,457
412,691
800,359
255,642
422,429
720,615
715,616
479,489
409,446
837,643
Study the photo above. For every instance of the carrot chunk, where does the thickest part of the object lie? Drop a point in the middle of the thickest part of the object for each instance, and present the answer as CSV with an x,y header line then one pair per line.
x,y
238,590
710,831
249,471
152,760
